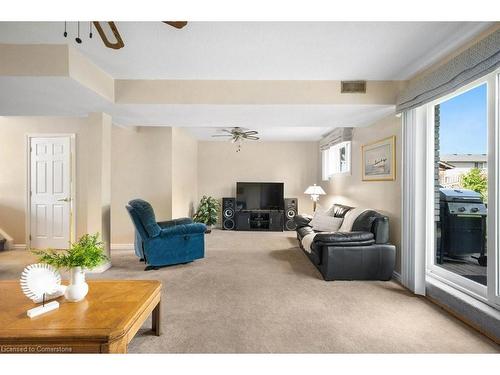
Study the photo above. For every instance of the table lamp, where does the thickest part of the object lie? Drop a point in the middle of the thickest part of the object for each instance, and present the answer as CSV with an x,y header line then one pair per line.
x,y
314,191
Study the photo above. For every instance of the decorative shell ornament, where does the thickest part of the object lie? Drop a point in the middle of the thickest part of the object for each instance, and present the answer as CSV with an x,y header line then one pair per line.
x,y
41,279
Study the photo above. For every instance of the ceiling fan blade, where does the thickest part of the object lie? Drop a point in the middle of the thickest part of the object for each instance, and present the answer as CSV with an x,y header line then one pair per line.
x,y
253,138
251,132
110,28
221,135
176,24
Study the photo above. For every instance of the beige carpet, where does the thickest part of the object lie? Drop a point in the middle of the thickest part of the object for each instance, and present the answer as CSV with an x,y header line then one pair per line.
x,y
258,293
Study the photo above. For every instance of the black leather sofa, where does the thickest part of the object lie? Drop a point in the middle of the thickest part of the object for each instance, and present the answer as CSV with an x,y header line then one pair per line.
x,y
362,254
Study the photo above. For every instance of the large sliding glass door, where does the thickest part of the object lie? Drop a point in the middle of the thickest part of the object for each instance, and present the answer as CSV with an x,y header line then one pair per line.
x,y
494,186
463,189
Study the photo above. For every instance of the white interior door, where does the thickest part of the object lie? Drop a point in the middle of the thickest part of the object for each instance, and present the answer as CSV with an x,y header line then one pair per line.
x,y
50,184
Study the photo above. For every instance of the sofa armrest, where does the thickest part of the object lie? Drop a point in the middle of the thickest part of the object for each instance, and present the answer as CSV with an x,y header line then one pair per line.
x,y
302,220
183,229
344,239
381,229
169,223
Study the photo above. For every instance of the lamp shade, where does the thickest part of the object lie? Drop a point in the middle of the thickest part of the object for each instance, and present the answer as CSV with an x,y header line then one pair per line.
x,y
314,190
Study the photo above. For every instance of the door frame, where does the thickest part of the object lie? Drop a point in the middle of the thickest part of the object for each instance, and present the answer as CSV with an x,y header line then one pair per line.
x,y
493,272
487,294
72,161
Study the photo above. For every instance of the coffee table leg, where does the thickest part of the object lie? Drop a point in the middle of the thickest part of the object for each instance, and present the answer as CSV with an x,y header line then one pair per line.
x,y
157,319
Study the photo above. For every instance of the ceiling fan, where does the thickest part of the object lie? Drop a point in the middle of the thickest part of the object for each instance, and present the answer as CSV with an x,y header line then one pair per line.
x,y
108,30
238,135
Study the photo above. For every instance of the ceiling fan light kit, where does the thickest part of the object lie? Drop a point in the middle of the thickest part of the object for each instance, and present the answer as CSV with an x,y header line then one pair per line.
x,y
238,135
77,39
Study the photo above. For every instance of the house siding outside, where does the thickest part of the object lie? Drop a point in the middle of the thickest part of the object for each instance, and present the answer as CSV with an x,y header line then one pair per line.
x,y
461,164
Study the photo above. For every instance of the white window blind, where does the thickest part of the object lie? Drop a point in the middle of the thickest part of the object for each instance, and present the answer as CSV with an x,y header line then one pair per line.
x,y
336,136
336,152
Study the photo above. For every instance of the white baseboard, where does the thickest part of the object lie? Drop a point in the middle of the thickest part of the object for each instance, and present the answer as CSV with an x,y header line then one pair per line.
x,y
9,241
113,246
122,246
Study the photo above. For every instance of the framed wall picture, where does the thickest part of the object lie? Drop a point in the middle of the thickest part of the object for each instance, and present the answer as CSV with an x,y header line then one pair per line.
x,y
379,160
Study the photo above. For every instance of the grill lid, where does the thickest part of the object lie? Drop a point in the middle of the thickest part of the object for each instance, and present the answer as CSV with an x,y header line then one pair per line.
x,y
459,195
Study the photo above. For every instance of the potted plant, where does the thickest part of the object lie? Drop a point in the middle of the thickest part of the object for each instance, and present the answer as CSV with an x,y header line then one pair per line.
x,y
208,212
86,253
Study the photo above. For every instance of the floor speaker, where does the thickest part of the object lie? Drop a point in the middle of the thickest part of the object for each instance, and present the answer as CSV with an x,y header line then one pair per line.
x,y
228,213
291,210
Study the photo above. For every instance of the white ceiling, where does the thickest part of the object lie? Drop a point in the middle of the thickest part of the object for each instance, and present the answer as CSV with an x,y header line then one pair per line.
x,y
261,50
59,96
311,133
251,116
47,96
234,50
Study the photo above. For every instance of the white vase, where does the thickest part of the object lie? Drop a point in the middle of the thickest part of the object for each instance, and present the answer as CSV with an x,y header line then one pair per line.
x,y
78,288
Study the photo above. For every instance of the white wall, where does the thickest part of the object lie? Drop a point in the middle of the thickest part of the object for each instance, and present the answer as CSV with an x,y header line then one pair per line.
x,y
92,187
184,173
13,164
157,164
170,169
294,163
382,196
130,163
141,161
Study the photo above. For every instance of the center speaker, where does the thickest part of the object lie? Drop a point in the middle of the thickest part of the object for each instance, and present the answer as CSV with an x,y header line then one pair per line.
x,y
291,210
228,213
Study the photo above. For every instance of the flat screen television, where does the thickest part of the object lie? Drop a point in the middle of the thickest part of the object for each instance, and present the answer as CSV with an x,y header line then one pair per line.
x,y
259,196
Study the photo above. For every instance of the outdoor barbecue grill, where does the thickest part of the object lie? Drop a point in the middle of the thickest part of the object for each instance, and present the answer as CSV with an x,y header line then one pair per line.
x,y
463,225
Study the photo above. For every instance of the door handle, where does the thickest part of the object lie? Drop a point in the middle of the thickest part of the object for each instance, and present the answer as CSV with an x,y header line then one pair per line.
x,y
63,200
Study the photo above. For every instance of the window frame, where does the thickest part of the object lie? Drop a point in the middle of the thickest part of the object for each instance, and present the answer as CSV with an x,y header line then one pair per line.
x,y
331,163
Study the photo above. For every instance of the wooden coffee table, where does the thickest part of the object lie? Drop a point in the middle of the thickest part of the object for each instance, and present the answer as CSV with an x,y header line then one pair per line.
x,y
104,322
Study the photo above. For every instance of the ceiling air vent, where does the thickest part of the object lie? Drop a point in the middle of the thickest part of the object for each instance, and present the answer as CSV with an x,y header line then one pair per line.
x,y
353,87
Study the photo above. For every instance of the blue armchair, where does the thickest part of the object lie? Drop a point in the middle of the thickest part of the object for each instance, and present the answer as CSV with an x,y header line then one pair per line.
x,y
167,242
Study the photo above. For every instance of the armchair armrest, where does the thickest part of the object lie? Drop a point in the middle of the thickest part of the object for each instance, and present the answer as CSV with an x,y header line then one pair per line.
x,y
302,220
183,229
169,223
344,239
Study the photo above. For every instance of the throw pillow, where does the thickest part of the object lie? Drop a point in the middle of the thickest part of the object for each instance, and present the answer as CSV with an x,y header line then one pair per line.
x,y
350,218
339,210
323,222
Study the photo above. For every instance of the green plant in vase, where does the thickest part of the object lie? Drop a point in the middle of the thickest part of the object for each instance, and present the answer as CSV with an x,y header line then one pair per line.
x,y
207,212
86,253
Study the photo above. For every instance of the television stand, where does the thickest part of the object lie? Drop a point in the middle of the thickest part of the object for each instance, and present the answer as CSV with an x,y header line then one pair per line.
x,y
259,220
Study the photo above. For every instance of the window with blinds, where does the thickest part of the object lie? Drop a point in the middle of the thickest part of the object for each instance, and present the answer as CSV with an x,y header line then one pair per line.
x,y
336,159
336,153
